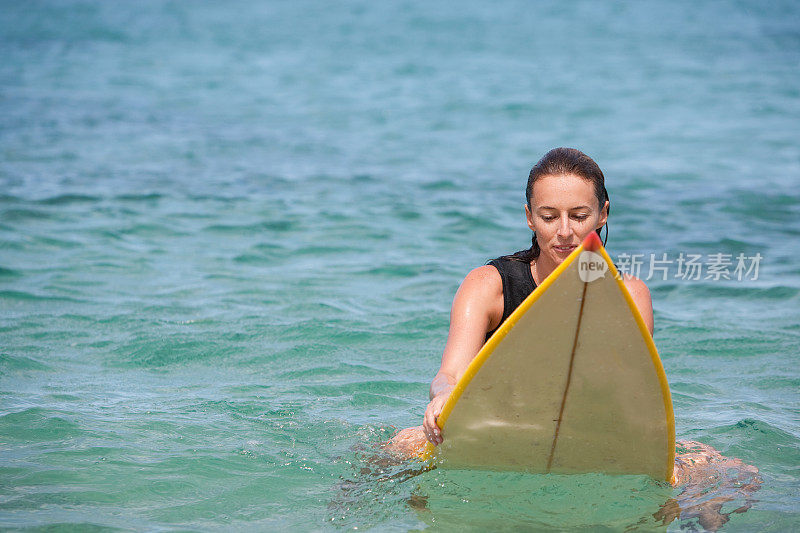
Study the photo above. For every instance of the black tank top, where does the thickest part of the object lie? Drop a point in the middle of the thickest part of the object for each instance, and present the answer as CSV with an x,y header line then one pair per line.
x,y
517,285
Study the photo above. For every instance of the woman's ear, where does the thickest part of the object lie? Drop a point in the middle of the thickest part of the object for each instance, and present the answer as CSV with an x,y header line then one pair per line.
x,y
603,215
529,217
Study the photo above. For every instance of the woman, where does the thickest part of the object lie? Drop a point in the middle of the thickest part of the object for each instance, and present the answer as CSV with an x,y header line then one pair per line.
x,y
566,200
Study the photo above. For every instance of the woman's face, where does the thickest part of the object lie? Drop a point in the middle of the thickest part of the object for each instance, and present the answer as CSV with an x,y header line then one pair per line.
x,y
564,210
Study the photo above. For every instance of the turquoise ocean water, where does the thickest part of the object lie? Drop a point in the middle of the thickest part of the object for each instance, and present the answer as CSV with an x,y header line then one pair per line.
x,y
230,233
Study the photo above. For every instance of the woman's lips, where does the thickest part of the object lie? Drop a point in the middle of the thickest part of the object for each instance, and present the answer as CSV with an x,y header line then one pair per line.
x,y
565,249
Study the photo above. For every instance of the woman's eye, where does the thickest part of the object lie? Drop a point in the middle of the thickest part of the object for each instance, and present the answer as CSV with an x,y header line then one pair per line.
x,y
580,217
548,218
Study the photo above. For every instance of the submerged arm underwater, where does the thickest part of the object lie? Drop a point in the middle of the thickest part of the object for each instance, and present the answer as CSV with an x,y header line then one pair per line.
x,y
707,478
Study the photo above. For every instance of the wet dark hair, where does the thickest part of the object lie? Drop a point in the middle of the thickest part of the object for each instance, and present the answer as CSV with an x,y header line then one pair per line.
x,y
557,162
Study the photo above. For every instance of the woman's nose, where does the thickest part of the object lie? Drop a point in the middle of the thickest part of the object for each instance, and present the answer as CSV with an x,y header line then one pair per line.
x,y
564,229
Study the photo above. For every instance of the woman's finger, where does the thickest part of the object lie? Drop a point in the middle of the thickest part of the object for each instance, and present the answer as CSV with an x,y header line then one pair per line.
x,y
428,426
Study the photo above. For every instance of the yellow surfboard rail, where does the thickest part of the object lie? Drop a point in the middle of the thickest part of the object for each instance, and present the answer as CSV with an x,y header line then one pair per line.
x,y
591,243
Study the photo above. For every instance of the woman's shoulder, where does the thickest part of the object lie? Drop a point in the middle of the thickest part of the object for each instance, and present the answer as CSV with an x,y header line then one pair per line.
x,y
480,294
485,275
635,285
481,284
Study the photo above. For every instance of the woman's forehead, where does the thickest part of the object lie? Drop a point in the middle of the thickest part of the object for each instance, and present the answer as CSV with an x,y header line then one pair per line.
x,y
563,190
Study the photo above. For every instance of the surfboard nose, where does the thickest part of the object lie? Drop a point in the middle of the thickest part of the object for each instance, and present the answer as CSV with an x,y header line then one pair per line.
x,y
592,242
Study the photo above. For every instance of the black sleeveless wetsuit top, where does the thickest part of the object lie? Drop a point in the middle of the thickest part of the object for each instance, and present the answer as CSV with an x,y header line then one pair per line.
x,y
517,285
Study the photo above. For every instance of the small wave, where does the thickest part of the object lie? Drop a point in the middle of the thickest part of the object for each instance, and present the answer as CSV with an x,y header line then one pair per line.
x,y
172,350
693,389
148,197
28,296
11,199
374,400
14,363
66,199
152,230
9,273
741,290
21,214
750,204
463,222
361,387
770,382
421,324
758,441
394,271
408,214
64,244
321,249
37,425
342,369
271,226
441,185
65,398
262,254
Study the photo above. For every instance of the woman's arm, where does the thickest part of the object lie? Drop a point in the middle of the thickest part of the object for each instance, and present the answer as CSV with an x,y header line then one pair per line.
x,y
477,308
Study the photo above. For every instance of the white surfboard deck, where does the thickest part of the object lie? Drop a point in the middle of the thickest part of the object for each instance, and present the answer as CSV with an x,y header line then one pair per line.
x,y
570,383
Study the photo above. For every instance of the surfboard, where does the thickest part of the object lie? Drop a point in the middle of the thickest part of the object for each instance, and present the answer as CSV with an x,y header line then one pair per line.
x,y
570,383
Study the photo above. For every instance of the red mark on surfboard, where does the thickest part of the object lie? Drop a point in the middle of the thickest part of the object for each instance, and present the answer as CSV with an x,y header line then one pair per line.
x,y
592,242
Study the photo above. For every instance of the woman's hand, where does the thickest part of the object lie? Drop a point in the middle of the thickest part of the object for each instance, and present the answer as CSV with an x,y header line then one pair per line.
x,y
431,428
